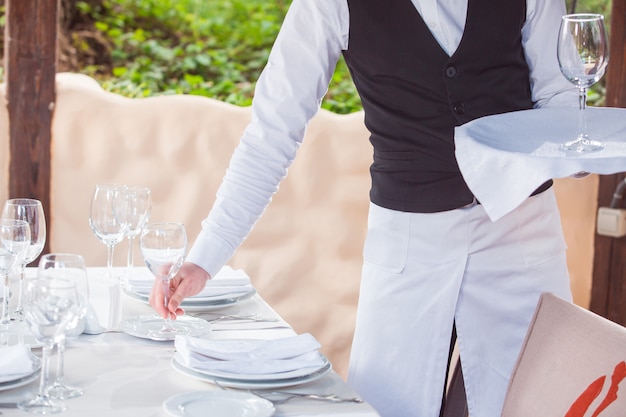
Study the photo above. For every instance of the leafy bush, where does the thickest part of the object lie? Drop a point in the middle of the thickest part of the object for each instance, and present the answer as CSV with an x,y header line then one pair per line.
x,y
212,48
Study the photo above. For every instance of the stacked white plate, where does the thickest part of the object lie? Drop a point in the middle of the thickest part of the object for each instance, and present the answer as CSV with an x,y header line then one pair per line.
x,y
229,286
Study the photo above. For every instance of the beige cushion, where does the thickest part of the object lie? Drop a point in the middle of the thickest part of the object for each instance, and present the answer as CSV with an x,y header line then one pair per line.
x,y
571,365
304,255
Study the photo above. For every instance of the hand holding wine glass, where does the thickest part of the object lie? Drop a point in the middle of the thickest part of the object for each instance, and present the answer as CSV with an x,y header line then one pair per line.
x,y
163,246
31,211
583,55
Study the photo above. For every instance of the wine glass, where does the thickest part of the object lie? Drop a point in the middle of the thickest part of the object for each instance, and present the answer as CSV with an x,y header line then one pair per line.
x,y
31,211
7,263
14,242
163,246
139,209
108,218
70,267
50,302
583,54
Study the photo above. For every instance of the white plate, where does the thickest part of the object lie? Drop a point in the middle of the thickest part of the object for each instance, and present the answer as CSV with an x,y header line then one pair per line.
x,y
146,326
199,303
245,381
218,403
24,379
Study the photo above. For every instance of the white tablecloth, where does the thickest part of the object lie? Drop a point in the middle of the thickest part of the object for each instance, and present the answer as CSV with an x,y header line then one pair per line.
x,y
505,157
126,376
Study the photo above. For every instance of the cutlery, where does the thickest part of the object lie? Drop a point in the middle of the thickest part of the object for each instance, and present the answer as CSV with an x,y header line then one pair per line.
x,y
234,317
8,405
287,395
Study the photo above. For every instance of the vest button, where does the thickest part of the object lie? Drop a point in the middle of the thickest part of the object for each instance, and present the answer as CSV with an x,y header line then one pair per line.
x,y
459,109
451,71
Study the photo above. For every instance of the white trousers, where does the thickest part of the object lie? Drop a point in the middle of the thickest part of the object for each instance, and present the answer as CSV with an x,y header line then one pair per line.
x,y
422,272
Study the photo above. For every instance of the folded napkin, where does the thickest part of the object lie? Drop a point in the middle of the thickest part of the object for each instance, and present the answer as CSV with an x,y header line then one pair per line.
x,y
249,356
104,311
15,361
505,157
227,281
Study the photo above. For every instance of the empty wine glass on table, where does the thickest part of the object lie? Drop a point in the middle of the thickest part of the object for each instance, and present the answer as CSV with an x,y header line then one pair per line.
x,y
108,217
50,302
139,209
14,242
163,246
70,267
583,55
7,263
31,211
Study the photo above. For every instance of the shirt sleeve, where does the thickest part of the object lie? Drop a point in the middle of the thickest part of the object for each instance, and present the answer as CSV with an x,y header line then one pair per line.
x,y
288,94
539,36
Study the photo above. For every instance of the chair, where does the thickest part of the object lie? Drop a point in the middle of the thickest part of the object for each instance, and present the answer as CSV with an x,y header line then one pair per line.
x,y
572,364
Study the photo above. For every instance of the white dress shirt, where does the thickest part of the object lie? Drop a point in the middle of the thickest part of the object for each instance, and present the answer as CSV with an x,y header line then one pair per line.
x,y
291,88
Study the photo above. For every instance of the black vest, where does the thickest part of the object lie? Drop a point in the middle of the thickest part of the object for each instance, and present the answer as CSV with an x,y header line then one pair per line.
x,y
414,94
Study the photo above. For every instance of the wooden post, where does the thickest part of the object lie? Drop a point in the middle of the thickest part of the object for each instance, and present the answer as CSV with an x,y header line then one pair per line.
x,y
608,295
30,64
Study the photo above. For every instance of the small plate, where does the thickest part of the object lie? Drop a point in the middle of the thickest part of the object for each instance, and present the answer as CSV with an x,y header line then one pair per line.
x,y
218,403
23,379
147,326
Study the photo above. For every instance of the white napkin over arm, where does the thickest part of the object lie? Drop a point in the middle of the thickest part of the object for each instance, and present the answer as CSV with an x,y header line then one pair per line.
x,y
505,157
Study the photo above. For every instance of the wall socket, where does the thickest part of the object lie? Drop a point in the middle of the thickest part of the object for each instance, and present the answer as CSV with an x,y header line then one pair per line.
x,y
611,222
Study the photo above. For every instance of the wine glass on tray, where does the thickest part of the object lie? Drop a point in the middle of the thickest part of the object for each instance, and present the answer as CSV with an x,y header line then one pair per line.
x,y
163,246
583,55
31,211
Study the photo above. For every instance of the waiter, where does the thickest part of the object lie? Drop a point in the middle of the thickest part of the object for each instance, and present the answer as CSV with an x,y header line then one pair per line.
x,y
432,257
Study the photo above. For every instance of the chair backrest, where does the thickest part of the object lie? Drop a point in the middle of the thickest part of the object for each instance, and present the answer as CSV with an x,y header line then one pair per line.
x,y
571,365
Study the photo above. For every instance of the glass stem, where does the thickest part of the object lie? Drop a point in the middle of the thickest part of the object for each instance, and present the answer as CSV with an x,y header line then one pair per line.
x,y
45,365
582,104
5,301
17,313
130,252
60,362
165,287
110,260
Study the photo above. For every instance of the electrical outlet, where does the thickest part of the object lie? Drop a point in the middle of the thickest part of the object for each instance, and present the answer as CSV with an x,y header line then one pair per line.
x,y
611,222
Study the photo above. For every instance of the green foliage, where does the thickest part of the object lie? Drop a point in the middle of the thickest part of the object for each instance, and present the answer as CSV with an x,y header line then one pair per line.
x,y
212,48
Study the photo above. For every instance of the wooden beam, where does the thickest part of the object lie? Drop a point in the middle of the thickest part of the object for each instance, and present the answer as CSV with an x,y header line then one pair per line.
x,y
608,295
30,69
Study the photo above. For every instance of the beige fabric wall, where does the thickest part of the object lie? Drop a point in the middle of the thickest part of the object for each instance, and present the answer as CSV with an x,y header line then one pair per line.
x,y
304,255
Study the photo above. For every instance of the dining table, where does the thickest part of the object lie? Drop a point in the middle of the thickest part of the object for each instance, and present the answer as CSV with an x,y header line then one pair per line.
x,y
124,375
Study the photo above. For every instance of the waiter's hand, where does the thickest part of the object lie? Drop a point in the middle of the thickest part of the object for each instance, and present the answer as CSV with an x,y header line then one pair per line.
x,y
189,280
